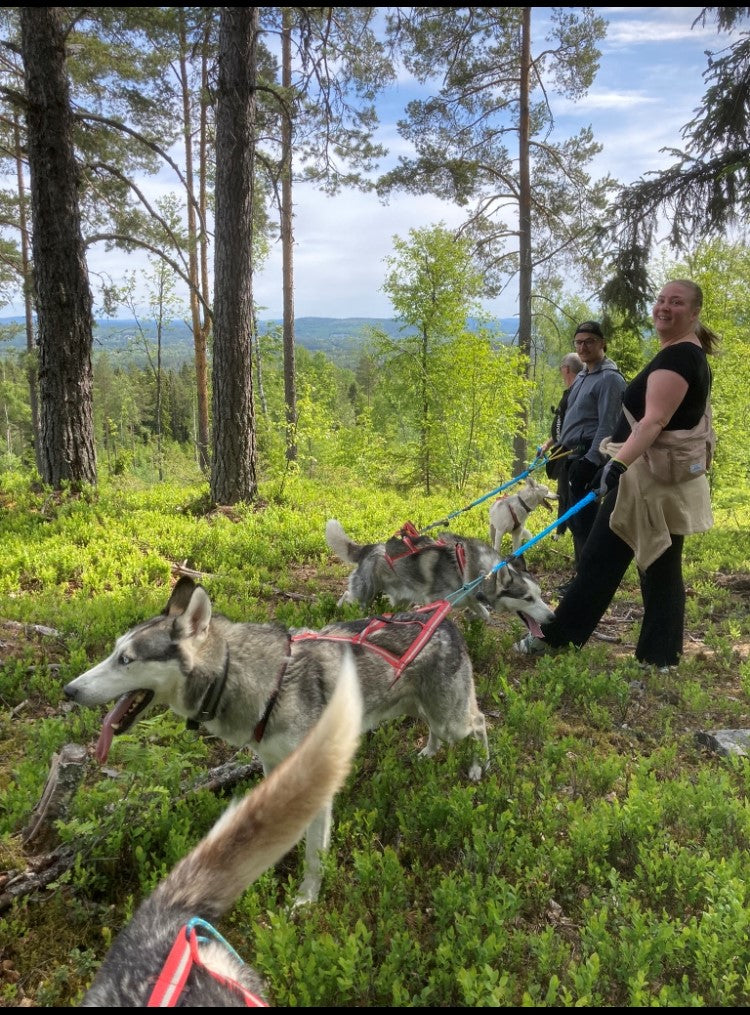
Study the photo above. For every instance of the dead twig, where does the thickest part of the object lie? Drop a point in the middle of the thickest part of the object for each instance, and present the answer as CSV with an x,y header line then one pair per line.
x,y
180,570
42,871
66,771
15,625
226,776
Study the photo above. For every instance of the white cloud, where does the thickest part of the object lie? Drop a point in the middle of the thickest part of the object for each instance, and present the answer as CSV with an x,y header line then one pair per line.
x,y
655,25
608,100
340,248
648,84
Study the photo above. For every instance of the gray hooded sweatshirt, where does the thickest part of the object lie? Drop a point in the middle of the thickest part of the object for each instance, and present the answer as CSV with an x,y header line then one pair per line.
x,y
594,407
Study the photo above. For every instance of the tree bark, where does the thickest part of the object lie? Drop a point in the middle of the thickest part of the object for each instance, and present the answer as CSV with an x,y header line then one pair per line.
x,y
287,241
64,304
199,337
28,282
66,771
524,231
233,471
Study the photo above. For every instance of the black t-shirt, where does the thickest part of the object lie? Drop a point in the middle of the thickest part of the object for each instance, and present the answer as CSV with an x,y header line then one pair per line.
x,y
685,359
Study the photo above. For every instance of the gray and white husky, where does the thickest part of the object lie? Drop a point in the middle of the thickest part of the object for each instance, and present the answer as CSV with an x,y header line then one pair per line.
x,y
508,514
250,836
264,686
436,569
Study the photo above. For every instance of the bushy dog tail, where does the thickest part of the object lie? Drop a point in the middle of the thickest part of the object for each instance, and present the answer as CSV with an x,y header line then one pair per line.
x,y
340,544
257,831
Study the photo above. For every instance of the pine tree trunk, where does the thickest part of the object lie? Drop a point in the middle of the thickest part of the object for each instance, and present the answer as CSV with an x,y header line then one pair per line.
x,y
64,304
199,337
28,282
233,472
524,233
287,244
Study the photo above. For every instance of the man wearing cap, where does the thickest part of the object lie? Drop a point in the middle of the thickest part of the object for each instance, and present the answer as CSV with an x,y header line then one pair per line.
x,y
594,406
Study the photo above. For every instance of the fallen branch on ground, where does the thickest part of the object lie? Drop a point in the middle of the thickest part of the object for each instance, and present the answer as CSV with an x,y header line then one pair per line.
x,y
66,771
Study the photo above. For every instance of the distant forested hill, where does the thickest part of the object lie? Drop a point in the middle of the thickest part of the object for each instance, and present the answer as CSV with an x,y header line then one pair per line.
x,y
340,338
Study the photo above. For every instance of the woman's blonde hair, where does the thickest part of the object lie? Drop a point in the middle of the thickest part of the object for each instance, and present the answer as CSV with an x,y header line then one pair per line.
x,y
707,338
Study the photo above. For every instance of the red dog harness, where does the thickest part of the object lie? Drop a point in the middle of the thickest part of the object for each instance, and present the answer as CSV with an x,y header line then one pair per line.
x,y
181,959
408,533
399,663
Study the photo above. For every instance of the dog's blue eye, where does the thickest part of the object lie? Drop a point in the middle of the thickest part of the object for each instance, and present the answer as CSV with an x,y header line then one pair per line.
x,y
124,659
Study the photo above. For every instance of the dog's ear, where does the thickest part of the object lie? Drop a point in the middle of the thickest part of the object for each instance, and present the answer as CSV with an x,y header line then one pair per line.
x,y
180,597
504,577
516,565
196,617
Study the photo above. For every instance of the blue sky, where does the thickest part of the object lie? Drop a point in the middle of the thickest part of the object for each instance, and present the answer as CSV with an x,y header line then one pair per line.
x,y
648,85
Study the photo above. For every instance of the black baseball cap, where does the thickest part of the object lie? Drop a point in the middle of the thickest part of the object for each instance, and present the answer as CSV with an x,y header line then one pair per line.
x,y
592,327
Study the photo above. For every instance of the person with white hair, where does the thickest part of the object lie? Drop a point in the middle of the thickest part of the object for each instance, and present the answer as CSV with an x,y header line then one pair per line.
x,y
570,366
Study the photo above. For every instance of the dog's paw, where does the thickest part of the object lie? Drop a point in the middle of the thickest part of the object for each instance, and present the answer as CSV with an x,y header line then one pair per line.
x,y
299,902
475,772
431,748
308,892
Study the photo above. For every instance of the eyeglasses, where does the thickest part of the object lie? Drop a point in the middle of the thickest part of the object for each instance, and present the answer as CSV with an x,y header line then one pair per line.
x,y
588,342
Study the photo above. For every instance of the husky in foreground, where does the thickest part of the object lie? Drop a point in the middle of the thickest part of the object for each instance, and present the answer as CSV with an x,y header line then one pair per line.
x,y
264,686
508,514
422,570
250,836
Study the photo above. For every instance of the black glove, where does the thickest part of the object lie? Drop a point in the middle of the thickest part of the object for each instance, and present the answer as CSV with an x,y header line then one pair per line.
x,y
608,477
581,472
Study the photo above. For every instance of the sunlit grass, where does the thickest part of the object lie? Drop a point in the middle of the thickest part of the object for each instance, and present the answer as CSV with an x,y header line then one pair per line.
x,y
602,861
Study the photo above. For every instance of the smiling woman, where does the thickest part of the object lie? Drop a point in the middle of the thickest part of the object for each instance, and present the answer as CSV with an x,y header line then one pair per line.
x,y
646,511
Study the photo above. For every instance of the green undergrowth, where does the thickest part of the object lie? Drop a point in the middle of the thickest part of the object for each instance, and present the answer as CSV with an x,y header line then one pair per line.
x,y
602,860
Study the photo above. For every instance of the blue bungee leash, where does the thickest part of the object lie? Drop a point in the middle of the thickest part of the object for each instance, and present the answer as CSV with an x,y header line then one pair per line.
x,y
469,587
540,459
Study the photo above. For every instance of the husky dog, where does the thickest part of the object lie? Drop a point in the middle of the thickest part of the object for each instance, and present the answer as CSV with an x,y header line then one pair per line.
x,y
251,836
426,570
508,514
264,686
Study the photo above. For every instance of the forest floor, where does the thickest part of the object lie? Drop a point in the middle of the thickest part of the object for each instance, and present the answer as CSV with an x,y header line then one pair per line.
x,y
720,679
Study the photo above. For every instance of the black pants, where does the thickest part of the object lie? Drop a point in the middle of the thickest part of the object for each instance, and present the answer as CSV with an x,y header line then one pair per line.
x,y
604,561
582,522
563,498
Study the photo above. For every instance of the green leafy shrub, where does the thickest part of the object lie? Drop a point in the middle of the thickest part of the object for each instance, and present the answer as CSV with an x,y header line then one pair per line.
x,y
602,861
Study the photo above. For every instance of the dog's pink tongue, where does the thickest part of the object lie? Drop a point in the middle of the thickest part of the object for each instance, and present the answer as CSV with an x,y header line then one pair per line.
x,y
533,626
111,719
